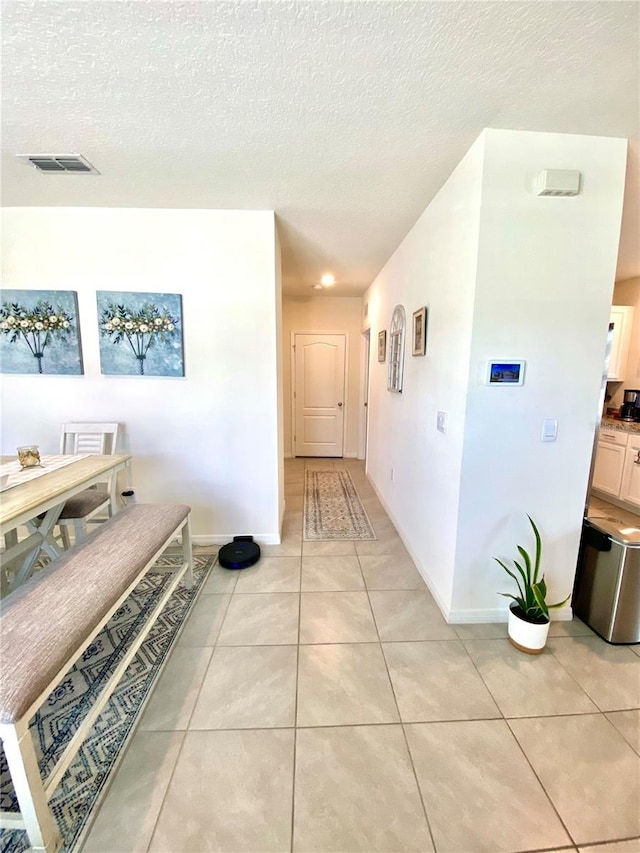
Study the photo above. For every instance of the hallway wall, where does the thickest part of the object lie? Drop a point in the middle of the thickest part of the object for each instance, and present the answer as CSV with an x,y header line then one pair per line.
x,y
414,468
325,314
505,274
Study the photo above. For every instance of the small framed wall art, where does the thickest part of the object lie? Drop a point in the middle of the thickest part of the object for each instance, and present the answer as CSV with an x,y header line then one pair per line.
x,y
382,345
419,332
503,372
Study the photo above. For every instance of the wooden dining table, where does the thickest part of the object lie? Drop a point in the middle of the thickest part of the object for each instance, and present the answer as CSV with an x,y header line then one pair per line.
x,y
37,503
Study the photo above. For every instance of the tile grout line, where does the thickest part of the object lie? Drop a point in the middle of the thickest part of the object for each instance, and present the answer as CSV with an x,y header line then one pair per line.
x,y
184,736
404,733
571,676
546,793
166,791
505,720
295,708
486,686
213,652
331,725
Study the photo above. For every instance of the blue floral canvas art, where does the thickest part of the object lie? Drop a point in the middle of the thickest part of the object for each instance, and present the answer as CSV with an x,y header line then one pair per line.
x,y
140,333
39,332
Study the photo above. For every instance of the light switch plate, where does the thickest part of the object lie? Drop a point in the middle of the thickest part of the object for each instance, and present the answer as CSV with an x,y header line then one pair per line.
x,y
549,429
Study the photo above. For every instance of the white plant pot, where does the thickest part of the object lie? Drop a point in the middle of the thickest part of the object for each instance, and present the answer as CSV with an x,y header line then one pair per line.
x,y
529,637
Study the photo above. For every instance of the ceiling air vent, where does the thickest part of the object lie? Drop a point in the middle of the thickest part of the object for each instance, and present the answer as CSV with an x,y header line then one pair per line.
x,y
60,164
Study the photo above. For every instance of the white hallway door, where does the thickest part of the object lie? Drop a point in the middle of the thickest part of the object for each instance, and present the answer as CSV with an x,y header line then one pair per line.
x,y
319,394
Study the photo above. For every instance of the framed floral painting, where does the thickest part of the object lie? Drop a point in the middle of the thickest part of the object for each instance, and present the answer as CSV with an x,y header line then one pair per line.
x,y
39,332
140,333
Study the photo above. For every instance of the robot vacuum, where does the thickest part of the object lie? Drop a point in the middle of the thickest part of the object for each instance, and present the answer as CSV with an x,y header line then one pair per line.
x,y
239,554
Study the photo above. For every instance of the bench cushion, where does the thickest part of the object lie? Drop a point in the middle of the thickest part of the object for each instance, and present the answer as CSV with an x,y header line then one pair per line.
x,y
83,503
46,621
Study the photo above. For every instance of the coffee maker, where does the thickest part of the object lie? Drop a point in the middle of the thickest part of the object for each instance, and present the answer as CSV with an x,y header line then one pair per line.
x,y
630,410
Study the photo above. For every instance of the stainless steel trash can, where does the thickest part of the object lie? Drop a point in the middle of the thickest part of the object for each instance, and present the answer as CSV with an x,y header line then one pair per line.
x,y
606,593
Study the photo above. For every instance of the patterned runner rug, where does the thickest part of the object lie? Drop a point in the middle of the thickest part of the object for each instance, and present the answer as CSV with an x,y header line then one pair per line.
x,y
81,788
333,509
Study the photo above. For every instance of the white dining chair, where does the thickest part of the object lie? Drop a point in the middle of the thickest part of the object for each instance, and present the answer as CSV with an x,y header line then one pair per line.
x,y
90,504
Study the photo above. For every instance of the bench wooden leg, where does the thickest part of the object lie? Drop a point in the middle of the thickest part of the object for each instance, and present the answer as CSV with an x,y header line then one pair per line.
x,y
39,822
64,536
79,530
187,553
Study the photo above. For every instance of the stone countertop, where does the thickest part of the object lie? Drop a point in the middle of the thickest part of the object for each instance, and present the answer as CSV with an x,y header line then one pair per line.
x,y
624,533
623,426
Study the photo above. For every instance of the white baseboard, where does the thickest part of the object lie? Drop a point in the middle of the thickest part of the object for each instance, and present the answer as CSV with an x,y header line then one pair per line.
x,y
208,540
467,617
222,539
470,617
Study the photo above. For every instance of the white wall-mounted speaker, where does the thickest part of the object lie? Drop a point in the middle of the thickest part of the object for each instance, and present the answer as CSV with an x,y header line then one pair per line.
x,y
558,182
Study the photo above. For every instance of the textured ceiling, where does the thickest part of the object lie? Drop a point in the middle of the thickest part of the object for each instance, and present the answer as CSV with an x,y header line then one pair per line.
x,y
343,117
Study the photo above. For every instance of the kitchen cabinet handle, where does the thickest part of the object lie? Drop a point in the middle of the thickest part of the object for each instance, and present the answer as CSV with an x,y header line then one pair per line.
x,y
605,437
637,459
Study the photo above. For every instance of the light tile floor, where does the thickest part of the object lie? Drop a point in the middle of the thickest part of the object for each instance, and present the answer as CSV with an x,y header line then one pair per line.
x,y
319,702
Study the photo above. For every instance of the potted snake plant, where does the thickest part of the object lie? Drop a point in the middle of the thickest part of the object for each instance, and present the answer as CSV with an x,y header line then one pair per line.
x,y
529,611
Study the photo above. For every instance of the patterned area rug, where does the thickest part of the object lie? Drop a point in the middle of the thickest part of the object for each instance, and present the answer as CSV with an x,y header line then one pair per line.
x,y
85,781
333,509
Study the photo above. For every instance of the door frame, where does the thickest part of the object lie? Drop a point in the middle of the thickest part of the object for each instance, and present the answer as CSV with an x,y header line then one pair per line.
x,y
363,428
292,351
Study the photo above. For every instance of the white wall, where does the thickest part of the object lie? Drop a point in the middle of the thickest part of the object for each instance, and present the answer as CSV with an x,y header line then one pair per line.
x,y
525,278
280,373
434,266
543,292
209,439
325,314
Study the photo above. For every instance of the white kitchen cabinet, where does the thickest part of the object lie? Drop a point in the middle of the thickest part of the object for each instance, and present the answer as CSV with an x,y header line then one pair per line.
x,y
622,320
610,459
630,488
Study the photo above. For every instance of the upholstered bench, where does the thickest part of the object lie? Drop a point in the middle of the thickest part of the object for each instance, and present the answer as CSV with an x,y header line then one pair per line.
x,y
47,623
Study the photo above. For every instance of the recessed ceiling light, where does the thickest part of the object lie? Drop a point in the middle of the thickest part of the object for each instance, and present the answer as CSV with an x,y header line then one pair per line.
x,y
327,279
